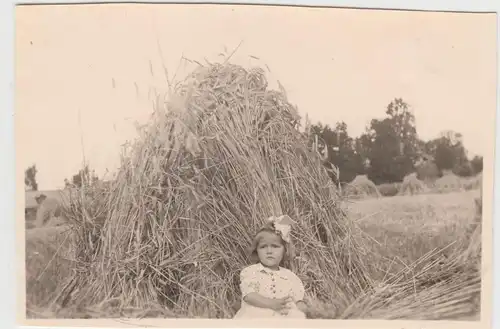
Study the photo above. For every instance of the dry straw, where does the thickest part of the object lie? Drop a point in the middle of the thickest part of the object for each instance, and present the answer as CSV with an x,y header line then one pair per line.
x,y
220,156
427,290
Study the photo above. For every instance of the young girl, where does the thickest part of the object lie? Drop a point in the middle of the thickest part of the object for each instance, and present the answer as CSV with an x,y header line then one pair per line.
x,y
267,288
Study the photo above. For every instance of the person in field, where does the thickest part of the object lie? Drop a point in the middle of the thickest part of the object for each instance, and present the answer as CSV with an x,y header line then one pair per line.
x,y
267,288
48,209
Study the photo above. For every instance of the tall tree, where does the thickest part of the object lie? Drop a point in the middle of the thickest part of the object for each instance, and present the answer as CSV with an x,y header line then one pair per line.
x,y
449,153
85,176
343,153
477,164
30,178
340,150
391,144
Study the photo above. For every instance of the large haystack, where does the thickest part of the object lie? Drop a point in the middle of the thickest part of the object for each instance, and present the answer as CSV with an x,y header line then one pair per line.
x,y
218,158
412,185
362,187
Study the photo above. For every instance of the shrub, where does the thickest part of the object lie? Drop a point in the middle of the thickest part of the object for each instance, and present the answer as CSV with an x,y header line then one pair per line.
x,y
389,189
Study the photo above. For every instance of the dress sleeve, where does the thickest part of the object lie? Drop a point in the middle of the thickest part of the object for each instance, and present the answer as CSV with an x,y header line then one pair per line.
x,y
298,288
248,282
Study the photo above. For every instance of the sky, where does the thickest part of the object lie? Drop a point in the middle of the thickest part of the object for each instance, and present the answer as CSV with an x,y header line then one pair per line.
x,y
85,74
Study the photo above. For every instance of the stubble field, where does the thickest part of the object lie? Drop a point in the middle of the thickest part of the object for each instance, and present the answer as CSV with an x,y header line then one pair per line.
x,y
402,229
399,231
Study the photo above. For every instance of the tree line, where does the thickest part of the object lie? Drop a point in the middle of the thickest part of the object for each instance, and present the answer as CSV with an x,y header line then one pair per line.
x,y
84,176
389,149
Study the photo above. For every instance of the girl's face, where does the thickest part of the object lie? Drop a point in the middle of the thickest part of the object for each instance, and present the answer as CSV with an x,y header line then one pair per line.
x,y
270,250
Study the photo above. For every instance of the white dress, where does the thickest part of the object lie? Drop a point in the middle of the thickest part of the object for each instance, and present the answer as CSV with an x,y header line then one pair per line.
x,y
270,284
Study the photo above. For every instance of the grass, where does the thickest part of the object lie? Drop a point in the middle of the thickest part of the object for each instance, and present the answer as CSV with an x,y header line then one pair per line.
x,y
401,230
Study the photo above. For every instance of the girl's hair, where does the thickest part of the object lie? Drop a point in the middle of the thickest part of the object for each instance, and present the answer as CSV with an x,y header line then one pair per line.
x,y
254,257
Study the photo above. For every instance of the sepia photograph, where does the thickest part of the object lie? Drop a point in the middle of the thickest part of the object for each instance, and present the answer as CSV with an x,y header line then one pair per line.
x,y
253,162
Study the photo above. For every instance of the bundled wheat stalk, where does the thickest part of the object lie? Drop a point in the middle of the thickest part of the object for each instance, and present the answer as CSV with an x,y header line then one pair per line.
x,y
362,187
412,185
472,183
220,156
449,182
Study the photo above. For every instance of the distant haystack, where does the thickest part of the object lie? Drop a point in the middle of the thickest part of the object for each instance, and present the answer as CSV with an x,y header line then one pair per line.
x,y
59,197
412,185
362,187
448,183
472,183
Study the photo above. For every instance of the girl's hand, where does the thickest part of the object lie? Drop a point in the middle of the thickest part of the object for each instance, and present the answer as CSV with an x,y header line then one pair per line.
x,y
288,305
279,304
302,306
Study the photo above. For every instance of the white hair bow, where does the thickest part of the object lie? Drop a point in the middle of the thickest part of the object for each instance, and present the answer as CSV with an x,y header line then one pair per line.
x,y
282,225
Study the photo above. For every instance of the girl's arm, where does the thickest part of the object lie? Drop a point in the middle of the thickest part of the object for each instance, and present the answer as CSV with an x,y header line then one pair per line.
x,y
258,300
299,293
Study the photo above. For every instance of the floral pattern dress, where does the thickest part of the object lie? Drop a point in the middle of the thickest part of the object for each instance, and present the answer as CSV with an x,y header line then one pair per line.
x,y
270,284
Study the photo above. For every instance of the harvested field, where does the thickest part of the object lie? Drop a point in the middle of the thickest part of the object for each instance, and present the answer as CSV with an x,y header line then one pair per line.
x,y
404,228
428,246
